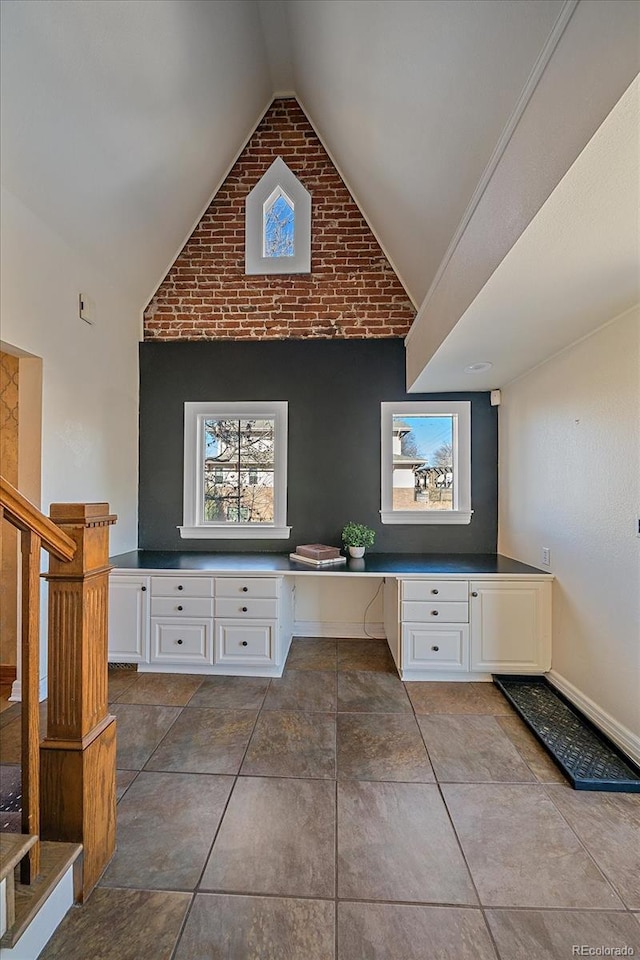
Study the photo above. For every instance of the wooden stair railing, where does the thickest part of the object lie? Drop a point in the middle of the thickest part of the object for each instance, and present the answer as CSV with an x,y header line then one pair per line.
x,y
68,785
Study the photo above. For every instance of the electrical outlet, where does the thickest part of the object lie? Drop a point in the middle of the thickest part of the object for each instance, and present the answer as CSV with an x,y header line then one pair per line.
x,y
546,556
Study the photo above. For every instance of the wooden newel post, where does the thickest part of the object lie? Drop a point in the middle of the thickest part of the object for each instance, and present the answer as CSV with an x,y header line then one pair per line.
x,y
78,756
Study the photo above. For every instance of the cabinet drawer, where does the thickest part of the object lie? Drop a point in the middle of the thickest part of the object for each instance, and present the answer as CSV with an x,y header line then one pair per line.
x,y
435,590
245,643
438,648
182,607
247,586
427,612
181,586
246,609
188,642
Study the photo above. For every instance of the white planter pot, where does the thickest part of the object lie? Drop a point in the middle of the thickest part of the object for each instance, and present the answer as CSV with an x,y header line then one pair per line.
x,y
356,551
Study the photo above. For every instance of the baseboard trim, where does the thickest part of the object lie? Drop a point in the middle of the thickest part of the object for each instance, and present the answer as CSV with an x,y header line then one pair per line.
x,y
8,673
624,738
338,629
16,691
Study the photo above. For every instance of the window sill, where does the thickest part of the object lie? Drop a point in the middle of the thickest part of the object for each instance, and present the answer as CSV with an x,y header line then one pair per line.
x,y
435,516
233,532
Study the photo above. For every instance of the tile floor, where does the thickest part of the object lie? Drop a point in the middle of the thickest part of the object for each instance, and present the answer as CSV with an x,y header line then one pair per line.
x,y
339,814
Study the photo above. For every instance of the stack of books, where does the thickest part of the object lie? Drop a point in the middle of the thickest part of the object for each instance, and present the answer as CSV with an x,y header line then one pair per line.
x,y
318,555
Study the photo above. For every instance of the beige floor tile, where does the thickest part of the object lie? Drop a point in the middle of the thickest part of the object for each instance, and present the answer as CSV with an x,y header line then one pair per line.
x,y
312,654
205,741
370,655
292,744
609,826
554,934
258,928
119,681
166,826
161,689
467,749
385,931
120,925
139,730
395,842
277,837
374,746
520,850
231,693
469,698
534,755
362,691
124,778
306,690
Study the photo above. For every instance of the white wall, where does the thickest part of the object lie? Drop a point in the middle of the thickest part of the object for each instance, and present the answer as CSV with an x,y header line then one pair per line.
x,y
570,480
90,373
332,607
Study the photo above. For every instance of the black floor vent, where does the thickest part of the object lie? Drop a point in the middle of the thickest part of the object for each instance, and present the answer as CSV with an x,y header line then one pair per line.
x,y
584,754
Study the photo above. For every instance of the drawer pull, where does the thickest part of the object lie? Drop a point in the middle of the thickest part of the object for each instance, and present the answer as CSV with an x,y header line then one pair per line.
x,y
435,649
245,589
180,607
244,609
245,643
434,613
143,589
435,591
474,593
180,587
178,642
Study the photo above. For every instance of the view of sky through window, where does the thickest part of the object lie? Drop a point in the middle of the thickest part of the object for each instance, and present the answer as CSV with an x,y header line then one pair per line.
x,y
279,227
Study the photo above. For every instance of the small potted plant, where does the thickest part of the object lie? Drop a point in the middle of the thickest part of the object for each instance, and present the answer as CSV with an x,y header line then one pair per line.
x,y
357,537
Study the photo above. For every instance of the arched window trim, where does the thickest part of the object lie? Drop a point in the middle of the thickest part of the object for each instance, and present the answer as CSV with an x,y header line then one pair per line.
x,y
277,178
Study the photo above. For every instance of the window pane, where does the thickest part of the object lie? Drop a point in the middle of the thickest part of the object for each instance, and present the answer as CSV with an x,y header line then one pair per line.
x,y
279,224
423,463
238,471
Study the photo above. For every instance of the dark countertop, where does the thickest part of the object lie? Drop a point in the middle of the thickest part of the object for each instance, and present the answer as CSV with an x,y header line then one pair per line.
x,y
373,564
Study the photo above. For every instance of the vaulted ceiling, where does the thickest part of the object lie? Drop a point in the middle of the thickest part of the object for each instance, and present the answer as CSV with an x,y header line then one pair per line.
x,y
122,117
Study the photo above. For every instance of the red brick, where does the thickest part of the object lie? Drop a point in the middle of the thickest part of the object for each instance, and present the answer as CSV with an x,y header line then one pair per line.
x,y
352,290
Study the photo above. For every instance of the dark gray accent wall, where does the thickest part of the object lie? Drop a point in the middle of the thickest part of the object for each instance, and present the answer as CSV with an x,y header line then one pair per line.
x,y
334,389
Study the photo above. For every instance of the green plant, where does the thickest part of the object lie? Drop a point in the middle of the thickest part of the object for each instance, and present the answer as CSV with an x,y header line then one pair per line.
x,y
357,535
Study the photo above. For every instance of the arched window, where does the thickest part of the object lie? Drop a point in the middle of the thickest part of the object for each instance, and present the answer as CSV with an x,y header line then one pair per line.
x,y
278,224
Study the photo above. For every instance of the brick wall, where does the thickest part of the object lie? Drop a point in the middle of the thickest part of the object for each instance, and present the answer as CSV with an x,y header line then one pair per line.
x,y
352,291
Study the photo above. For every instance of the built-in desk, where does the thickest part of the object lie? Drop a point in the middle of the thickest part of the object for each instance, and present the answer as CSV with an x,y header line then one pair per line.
x,y
446,616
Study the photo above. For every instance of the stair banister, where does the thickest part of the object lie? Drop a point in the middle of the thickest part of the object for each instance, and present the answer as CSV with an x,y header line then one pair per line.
x,y
69,780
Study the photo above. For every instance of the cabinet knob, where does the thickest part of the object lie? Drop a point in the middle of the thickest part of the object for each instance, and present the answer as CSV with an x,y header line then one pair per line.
x,y
435,591
178,642
435,649
244,609
474,593
245,643
143,589
180,607
180,587
245,589
434,613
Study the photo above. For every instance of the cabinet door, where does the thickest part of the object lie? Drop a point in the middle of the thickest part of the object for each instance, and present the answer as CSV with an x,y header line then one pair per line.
x,y
128,619
510,626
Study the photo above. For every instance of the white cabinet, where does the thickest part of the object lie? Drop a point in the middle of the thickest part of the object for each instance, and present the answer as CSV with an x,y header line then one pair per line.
x,y
510,626
129,619
181,620
466,629
200,622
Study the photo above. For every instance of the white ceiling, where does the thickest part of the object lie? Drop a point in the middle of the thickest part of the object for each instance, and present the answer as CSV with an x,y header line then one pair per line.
x,y
575,266
121,117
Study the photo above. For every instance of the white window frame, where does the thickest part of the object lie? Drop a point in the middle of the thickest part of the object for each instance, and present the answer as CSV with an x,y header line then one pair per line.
x,y
460,411
277,177
194,526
